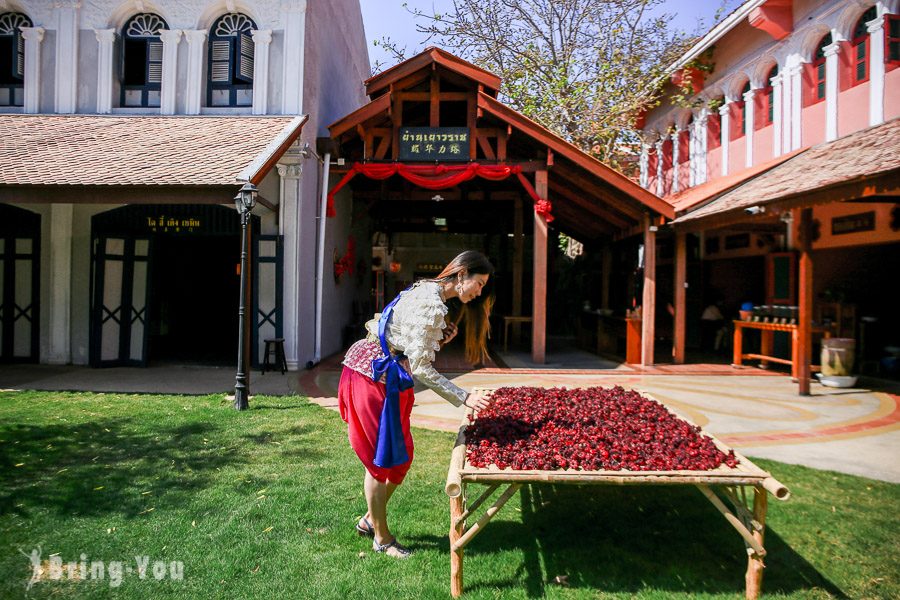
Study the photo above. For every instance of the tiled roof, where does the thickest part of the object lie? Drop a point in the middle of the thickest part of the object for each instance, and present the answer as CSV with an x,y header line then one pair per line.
x,y
862,155
80,150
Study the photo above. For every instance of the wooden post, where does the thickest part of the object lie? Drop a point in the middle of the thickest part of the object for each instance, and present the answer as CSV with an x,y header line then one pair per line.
x,y
805,301
518,266
755,561
434,118
648,304
456,556
738,353
679,295
607,276
539,300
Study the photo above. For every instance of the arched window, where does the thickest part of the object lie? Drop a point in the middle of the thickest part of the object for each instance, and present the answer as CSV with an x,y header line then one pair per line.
x,y
739,126
12,58
231,61
817,73
140,60
765,101
714,124
859,56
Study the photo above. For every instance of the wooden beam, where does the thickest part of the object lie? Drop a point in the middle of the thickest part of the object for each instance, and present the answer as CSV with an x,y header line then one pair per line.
x,y
805,302
434,114
485,146
360,115
471,123
539,296
601,191
607,275
648,304
396,121
679,294
571,195
518,257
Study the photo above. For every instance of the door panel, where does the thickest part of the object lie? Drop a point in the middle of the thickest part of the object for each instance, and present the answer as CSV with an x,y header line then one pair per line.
x,y
267,282
19,284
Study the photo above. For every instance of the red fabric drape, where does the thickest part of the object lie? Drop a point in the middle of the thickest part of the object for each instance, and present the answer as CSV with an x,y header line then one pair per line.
x,y
441,177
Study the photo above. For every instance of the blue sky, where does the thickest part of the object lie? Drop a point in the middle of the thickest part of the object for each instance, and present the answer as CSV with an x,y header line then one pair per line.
x,y
389,18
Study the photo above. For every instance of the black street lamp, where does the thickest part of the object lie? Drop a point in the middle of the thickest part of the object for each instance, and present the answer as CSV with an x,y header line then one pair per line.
x,y
244,202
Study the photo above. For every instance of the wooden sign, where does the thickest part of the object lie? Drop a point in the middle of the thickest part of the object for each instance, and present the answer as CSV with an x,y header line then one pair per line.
x,y
434,143
169,224
853,223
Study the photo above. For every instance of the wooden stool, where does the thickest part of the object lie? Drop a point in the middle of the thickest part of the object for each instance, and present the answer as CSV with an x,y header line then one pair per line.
x,y
275,345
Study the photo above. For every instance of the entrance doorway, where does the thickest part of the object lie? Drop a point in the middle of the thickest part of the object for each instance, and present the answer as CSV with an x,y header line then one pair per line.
x,y
194,289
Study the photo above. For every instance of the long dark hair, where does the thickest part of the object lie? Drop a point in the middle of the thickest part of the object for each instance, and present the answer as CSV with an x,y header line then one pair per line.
x,y
475,314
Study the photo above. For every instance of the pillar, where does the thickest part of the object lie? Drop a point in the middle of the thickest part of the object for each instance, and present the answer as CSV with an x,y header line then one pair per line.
x,y
648,303
539,301
194,85
659,168
777,113
67,14
645,161
289,228
795,74
169,39
106,39
749,114
876,71
702,128
725,132
32,86
60,293
294,19
680,292
606,265
261,41
831,91
675,151
805,303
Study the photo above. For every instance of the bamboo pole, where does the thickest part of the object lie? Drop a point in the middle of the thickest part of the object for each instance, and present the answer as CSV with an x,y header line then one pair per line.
x,y
741,509
776,488
755,564
453,487
456,553
485,519
749,537
474,506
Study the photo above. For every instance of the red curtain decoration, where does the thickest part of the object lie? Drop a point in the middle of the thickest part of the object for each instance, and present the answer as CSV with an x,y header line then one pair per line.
x,y
441,177
345,263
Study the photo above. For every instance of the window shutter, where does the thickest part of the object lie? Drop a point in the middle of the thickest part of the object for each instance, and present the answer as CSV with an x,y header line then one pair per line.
x,y
154,61
119,54
892,39
220,64
244,59
18,63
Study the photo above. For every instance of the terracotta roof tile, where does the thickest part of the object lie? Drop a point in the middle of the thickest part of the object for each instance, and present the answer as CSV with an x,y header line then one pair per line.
x,y
861,155
132,150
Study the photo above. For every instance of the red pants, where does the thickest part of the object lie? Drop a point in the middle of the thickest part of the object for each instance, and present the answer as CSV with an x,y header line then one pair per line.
x,y
360,400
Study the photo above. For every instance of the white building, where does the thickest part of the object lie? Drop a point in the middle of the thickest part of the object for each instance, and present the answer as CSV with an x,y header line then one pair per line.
x,y
128,127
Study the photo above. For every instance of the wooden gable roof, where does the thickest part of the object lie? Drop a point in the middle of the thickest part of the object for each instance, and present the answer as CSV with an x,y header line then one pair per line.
x,y
437,89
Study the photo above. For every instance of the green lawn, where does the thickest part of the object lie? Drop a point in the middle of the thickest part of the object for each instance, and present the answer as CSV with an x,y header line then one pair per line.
x,y
261,504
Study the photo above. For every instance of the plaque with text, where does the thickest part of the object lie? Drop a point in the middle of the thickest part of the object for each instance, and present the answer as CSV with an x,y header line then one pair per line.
x,y
434,143
853,223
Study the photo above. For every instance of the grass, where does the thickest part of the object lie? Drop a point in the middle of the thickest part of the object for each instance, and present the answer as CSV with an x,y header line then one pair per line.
x,y
261,504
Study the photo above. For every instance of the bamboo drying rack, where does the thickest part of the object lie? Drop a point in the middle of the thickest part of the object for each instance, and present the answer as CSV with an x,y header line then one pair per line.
x,y
717,486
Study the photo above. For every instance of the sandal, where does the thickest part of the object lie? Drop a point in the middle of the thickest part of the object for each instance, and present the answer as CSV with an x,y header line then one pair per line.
x,y
366,529
398,550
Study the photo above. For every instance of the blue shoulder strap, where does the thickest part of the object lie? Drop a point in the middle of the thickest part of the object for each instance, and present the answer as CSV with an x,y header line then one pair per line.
x,y
390,449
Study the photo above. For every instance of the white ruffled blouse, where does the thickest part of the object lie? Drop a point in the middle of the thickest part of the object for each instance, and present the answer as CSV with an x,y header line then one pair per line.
x,y
416,329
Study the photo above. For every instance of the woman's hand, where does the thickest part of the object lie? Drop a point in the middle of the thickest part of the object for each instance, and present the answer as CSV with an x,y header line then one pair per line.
x,y
478,400
450,332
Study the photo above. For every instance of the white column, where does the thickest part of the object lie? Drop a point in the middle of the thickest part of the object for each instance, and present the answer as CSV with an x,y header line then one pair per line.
x,y
725,132
645,160
169,39
675,135
777,114
289,226
786,113
876,71
60,294
67,14
795,73
194,86
702,128
294,19
261,41
831,91
749,110
659,168
106,39
32,84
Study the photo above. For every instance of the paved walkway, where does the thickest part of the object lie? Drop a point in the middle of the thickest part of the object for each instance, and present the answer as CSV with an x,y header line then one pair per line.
x,y
854,431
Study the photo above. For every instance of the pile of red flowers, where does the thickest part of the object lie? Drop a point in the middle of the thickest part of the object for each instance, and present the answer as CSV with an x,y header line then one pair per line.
x,y
592,429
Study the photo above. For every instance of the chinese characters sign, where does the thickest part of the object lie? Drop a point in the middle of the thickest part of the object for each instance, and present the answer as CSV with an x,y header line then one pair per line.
x,y
434,143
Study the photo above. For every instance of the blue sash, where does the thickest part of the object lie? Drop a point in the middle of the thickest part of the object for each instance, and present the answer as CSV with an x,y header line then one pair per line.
x,y
390,449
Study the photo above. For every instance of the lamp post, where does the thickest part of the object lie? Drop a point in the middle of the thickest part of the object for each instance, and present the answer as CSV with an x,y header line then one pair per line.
x,y
244,202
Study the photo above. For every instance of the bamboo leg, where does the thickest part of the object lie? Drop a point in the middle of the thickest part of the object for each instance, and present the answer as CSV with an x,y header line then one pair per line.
x,y
456,554
485,519
749,537
755,561
478,502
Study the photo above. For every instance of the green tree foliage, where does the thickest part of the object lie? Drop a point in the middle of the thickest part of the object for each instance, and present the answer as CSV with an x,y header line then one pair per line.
x,y
582,68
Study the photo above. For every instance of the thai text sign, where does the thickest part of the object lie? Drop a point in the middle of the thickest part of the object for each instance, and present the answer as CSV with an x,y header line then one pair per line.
x,y
434,143
853,223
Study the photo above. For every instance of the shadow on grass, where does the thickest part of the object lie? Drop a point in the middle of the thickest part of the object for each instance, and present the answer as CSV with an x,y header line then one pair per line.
x,y
63,465
628,540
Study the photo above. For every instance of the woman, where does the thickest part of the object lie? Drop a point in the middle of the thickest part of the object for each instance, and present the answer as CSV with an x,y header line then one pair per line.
x,y
375,392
